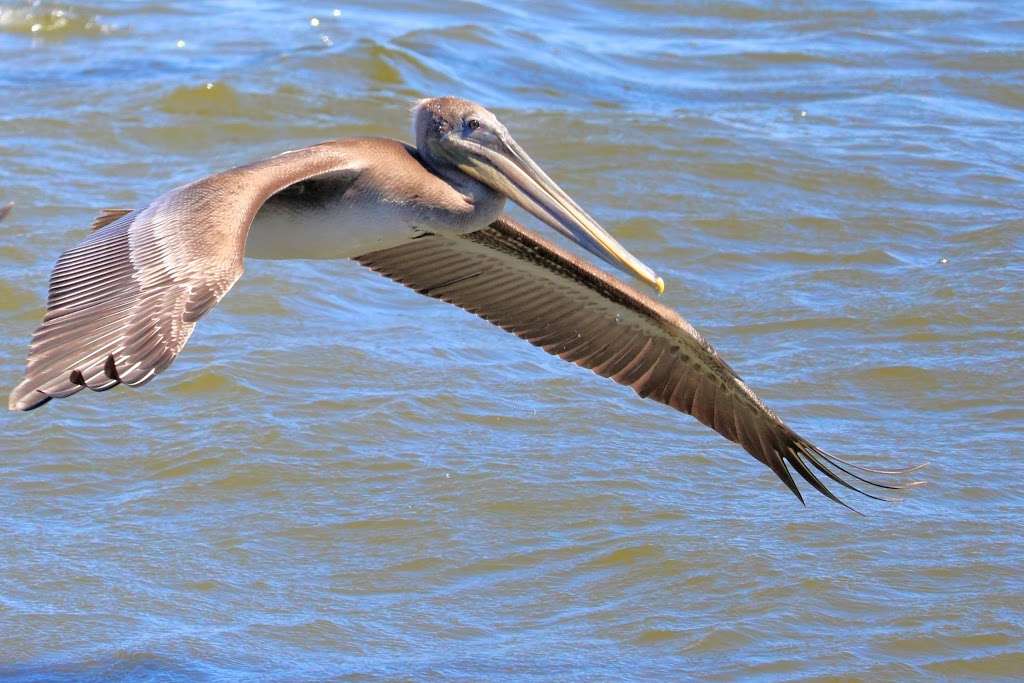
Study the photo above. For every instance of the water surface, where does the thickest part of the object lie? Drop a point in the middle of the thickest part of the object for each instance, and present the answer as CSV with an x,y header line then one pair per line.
x,y
341,478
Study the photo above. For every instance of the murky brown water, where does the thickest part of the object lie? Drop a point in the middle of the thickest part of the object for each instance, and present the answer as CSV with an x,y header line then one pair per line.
x,y
396,489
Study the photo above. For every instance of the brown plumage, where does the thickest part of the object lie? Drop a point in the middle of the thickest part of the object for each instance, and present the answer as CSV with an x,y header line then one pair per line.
x,y
528,286
106,217
123,303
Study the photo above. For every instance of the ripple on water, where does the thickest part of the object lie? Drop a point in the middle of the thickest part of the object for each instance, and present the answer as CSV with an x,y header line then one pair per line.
x,y
209,384
899,379
624,557
367,63
11,253
658,636
866,257
1008,95
721,640
1007,664
944,643
447,41
15,298
208,99
55,23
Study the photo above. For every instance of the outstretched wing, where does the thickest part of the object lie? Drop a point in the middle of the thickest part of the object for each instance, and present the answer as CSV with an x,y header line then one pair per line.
x,y
124,301
528,286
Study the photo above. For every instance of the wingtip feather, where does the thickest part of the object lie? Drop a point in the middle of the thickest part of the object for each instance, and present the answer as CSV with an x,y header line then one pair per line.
x,y
25,397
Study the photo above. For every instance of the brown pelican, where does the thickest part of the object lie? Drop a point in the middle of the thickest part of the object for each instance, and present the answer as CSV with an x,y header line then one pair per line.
x,y
123,302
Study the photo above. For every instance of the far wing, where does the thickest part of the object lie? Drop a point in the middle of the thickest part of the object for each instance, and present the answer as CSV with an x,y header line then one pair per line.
x,y
528,286
123,302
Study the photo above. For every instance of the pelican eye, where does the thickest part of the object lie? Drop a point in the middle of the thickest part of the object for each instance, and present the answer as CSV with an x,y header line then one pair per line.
x,y
472,124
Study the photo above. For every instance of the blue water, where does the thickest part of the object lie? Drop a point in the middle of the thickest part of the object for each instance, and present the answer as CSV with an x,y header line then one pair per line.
x,y
341,479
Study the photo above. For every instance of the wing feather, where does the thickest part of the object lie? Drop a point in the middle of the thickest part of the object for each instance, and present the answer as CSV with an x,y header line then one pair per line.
x,y
124,301
526,285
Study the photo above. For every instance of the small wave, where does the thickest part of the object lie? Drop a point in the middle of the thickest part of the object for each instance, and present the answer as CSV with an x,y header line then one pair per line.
x,y
1008,664
441,39
52,23
419,565
15,299
1003,94
382,524
721,639
208,383
377,66
866,256
899,378
811,323
625,557
207,99
656,636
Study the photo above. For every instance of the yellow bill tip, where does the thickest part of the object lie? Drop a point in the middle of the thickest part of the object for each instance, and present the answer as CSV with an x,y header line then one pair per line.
x,y
660,285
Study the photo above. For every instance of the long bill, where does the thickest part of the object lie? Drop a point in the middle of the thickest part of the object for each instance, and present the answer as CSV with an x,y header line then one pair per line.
x,y
513,173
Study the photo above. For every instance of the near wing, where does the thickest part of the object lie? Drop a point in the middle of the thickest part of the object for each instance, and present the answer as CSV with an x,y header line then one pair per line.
x,y
526,285
124,301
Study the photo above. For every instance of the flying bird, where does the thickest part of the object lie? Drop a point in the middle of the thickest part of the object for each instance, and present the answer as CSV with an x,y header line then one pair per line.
x,y
123,302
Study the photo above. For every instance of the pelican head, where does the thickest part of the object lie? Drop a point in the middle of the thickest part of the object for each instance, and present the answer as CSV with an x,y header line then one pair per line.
x,y
456,134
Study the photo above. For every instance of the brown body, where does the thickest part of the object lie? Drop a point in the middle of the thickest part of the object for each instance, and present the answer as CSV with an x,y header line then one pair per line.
x,y
123,302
